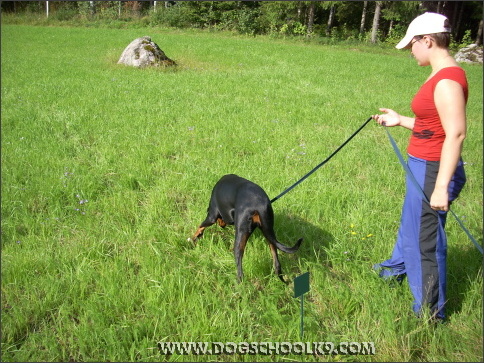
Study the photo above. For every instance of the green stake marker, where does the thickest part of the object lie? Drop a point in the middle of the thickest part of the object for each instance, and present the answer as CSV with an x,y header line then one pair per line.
x,y
301,286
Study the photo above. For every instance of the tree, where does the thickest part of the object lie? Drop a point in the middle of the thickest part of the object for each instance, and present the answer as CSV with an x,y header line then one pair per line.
x,y
376,22
312,5
398,14
458,14
329,24
479,34
363,17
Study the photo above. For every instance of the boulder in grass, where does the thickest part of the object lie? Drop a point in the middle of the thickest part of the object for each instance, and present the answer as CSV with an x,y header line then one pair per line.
x,y
470,54
142,52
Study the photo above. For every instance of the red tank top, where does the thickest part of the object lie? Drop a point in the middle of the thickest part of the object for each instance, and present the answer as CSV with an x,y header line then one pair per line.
x,y
428,134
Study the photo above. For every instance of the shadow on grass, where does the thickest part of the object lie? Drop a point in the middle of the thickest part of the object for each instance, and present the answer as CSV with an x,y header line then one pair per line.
x,y
289,228
464,264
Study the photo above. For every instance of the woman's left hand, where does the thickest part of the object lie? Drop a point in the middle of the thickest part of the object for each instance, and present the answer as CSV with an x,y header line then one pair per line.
x,y
440,200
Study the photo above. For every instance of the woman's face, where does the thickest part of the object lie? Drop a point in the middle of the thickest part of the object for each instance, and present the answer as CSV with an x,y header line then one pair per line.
x,y
419,47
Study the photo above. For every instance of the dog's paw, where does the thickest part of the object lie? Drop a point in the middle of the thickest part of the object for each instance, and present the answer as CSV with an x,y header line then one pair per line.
x,y
193,240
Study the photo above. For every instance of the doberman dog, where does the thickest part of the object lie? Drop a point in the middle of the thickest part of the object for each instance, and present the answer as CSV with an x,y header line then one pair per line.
x,y
244,204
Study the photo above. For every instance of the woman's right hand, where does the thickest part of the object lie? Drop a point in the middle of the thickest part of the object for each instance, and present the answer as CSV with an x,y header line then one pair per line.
x,y
390,118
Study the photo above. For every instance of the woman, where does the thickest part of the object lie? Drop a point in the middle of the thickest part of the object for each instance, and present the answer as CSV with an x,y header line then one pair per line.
x,y
434,157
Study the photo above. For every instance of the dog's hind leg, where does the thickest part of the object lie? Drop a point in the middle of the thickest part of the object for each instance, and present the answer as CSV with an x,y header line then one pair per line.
x,y
277,264
241,238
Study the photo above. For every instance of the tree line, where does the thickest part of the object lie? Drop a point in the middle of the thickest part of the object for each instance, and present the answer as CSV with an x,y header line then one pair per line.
x,y
372,21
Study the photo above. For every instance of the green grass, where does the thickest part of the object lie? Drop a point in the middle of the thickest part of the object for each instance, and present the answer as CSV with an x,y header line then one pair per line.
x,y
107,170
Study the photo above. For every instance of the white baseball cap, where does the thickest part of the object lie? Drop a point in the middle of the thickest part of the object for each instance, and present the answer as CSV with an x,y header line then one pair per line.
x,y
427,23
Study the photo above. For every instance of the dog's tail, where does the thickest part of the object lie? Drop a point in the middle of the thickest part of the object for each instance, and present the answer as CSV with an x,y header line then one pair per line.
x,y
285,248
270,236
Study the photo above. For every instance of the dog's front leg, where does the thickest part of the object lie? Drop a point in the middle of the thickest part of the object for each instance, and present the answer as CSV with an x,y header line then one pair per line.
x,y
198,234
210,220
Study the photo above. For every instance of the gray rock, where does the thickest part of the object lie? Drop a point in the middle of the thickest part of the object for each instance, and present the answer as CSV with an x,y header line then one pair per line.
x,y
142,52
470,54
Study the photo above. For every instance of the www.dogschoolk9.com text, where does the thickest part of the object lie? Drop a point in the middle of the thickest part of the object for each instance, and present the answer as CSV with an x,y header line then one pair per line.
x,y
267,348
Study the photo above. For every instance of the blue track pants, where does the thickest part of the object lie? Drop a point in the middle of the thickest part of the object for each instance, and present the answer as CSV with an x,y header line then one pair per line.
x,y
420,251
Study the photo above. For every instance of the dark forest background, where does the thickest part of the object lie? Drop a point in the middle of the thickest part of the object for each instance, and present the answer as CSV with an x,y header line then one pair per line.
x,y
366,21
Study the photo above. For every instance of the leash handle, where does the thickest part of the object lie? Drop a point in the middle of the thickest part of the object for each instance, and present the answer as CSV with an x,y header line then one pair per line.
x,y
419,188
322,163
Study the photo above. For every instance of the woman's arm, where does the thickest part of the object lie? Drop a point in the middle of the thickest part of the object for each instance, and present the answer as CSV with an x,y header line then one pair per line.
x,y
451,106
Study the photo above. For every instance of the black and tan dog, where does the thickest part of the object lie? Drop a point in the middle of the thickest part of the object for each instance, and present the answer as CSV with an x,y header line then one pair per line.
x,y
244,204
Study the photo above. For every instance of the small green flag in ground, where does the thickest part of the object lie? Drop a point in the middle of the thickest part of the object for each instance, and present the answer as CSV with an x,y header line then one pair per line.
x,y
301,286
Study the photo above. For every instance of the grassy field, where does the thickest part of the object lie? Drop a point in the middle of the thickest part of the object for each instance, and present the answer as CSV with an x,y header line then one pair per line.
x,y
107,170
